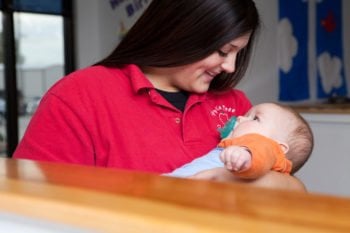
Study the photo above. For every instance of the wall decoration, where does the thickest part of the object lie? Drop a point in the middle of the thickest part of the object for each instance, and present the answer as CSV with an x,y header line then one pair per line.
x,y
311,65
128,12
131,7
330,76
292,50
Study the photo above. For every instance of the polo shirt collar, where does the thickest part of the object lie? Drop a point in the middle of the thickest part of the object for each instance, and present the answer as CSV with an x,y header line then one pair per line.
x,y
138,79
140,82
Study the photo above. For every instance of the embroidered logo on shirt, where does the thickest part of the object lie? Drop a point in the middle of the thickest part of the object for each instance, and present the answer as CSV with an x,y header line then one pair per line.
x,y
222,114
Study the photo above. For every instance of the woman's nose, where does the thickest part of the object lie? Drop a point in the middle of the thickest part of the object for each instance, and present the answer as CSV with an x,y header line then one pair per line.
x,y
229,63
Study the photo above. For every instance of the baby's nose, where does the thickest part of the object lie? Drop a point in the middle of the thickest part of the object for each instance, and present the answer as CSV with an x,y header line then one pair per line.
x,y
241,119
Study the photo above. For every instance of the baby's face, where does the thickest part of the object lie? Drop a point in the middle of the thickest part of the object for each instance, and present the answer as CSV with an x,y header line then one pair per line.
x,y
266,119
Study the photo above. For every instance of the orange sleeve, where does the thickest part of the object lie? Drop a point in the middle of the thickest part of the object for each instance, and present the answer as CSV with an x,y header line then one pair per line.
x,y
266,155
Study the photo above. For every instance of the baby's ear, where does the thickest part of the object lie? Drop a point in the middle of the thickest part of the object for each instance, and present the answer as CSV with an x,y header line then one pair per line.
x,y
284,146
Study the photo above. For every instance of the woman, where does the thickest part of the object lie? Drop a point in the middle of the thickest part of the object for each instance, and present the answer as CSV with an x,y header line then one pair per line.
x,y
157,100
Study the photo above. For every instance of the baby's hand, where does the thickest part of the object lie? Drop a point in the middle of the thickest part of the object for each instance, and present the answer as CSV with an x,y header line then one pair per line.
x,y
236,158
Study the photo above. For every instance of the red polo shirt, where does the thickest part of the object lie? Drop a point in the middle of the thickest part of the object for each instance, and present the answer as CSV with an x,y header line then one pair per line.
x,y
115,118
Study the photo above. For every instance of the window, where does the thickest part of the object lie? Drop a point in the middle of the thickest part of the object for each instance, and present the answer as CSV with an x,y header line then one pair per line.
x,y
40,59
2,101
38,51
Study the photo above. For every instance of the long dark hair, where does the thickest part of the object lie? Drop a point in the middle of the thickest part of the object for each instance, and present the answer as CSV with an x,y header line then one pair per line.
x,y
180,32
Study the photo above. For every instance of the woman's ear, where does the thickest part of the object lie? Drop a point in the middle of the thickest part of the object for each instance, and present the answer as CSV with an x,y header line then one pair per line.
x,y
284,146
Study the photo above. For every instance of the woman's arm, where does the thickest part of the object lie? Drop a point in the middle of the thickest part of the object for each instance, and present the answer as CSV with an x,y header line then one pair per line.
x,y
272,179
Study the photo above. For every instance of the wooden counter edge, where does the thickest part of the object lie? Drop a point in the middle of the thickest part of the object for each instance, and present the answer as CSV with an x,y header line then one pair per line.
x,y
124,196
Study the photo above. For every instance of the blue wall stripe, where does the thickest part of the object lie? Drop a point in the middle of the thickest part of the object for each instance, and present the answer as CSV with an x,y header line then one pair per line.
x,y
329,38
294,85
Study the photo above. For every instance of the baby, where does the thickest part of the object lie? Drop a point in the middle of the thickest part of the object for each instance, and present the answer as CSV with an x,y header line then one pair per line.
x,y
269,137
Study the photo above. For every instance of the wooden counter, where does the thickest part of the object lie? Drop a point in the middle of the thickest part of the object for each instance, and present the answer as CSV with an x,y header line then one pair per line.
x,y
323,108
107,200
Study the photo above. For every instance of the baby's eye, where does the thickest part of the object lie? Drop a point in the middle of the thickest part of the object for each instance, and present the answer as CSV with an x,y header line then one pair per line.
x,y
222,53
256,118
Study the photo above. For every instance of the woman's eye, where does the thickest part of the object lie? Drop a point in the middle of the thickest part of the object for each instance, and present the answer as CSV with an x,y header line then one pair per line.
x,y
222,54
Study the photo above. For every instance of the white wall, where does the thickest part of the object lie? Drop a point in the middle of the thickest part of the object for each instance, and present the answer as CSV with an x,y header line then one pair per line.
x,y
98,27
261,81
328,170
88,38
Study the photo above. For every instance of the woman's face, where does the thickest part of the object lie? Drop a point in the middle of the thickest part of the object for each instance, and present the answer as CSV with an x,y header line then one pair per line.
x,y
196,77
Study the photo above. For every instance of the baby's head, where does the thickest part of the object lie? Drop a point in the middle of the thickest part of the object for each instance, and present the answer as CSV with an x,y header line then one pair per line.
x,y
300,140
282,124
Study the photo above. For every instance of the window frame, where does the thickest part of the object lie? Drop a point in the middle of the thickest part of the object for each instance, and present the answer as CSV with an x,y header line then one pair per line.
x,y
10,86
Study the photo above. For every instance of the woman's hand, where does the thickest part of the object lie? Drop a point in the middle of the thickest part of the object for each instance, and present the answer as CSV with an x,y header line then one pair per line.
x,y
271,180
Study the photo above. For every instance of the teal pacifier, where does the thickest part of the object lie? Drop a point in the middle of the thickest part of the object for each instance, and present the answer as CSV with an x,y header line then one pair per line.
x,y
228,127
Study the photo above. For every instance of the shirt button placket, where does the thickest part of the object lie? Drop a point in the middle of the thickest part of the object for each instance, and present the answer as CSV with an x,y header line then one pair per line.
x,y
177,120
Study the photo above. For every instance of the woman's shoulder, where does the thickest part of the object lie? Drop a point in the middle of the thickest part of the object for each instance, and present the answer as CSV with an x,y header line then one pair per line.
x,y
98,80
95,76
103,71
89,80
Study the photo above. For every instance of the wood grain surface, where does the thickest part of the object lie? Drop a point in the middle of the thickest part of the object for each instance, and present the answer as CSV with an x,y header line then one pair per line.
x,y
111,200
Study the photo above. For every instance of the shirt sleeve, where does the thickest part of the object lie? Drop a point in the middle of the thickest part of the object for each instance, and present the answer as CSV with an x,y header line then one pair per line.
x,y
266,155
56,133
